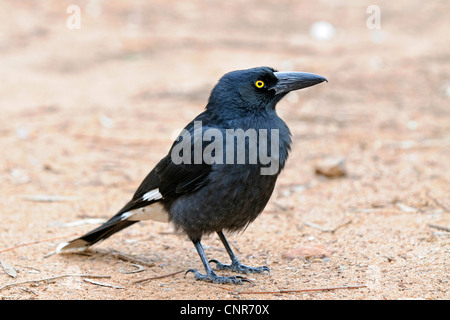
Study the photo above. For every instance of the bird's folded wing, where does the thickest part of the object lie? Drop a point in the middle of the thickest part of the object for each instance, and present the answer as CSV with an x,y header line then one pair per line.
x,y
168,180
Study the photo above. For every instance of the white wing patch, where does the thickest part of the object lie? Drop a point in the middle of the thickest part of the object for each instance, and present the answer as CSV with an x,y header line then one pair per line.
x,y
152,195
155,212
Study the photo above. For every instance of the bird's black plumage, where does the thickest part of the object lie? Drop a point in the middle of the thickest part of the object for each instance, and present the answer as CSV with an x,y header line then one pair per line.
x,y
202,196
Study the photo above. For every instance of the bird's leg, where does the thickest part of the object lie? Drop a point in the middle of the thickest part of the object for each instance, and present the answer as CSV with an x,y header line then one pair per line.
x,y
235,265
210,275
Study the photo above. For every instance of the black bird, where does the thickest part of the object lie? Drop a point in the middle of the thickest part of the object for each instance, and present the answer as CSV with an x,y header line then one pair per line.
x,y
200,196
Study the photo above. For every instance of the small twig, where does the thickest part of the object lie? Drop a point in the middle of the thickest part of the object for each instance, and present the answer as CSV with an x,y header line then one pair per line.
x,y
342,225
157,277
103,284
316,226
49,198
365,210
110,140
413,144
123,256
281,206
53,278
29,290
163,233
138,267
295,291
439,227
36,242
439,203
82,222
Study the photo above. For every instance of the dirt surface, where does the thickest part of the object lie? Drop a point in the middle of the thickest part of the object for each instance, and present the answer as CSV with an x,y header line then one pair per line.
x,y
86,113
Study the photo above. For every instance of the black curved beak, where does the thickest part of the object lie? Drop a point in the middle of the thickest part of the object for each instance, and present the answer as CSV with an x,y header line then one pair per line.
x,y
290,81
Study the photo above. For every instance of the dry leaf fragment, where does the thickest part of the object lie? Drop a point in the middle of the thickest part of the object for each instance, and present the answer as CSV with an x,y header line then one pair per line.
x,y
9,269
331,167
405,208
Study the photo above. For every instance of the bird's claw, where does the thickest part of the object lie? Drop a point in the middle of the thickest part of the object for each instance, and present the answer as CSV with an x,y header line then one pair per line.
x,y
214,278
239,268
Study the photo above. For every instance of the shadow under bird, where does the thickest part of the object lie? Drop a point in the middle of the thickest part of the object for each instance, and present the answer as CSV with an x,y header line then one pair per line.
x,y
201,197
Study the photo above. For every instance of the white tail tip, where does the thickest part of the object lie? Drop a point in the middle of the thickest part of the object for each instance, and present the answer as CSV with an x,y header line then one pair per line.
x,y
74,246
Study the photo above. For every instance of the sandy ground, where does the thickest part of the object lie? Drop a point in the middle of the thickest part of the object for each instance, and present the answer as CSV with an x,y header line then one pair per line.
x,y
86,113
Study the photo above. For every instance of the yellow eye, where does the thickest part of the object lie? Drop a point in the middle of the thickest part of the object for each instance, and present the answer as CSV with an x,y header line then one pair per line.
x,y
259,84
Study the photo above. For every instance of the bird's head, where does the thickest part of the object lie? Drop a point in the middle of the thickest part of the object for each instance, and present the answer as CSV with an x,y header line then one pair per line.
x,y
258,88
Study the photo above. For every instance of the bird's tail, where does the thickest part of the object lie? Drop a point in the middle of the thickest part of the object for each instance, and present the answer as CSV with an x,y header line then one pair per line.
x,y
110,227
